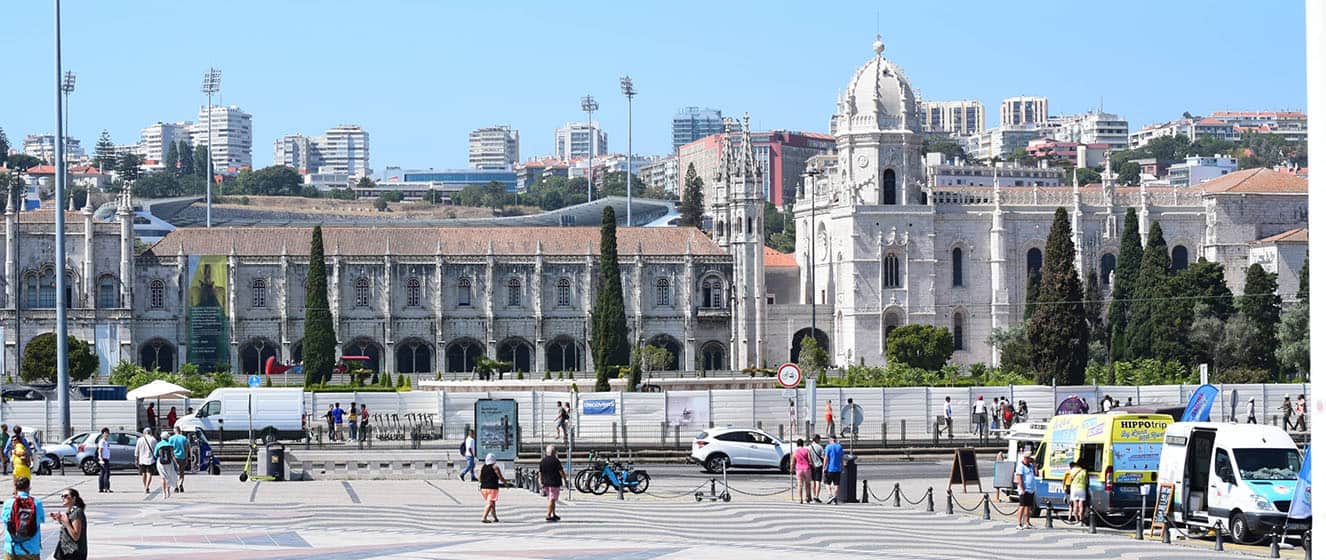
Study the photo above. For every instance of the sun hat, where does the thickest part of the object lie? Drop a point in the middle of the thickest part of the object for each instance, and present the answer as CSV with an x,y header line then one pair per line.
x,y
490,459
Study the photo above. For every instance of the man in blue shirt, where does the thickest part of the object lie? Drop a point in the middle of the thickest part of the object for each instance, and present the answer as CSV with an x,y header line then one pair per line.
x,y
16,547
9,442
1025,479
833,467
181,445
338,415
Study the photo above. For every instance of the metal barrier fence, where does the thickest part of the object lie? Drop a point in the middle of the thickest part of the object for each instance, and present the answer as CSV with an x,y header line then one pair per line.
x,y
673,418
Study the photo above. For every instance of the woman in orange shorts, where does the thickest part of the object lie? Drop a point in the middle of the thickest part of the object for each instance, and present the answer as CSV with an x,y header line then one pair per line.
x,y
490,480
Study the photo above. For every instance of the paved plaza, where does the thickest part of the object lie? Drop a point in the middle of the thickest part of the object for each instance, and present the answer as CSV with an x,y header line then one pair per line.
x,y
417,519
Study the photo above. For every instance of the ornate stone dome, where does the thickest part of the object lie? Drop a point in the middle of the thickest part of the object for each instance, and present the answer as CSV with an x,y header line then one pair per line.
x,y
879,98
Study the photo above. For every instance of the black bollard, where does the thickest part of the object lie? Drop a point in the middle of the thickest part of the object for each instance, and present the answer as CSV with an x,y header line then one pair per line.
x,y
1049,515
930,500
985,507
865,491
897,494
1164,531
1139,527
1091,521
948,503
1275,547
1220,538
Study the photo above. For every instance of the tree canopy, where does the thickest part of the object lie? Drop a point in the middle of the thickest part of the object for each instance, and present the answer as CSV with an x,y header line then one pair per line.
x,y
38,362
917,345
1058,330
274,180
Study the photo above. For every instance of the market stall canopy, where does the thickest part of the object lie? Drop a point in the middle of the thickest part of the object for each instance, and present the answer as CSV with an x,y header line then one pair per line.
x,y
159,390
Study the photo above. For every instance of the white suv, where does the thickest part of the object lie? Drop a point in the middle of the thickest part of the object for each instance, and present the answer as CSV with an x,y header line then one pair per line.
x,y
717,448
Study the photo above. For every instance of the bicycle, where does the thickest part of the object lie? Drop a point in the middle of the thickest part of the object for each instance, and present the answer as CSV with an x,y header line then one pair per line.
x,y
620,476
585,475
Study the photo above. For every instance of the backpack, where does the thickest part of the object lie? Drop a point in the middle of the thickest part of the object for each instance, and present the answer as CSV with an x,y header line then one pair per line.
x,y
463,448
165,454
22,519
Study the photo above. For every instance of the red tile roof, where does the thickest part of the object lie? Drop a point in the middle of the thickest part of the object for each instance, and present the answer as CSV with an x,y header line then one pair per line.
x,y
775,259
406,240
1256,181
1296,235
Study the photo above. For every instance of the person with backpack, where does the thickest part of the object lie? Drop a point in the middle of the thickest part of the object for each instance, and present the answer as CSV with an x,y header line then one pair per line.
x,y
467,451
354,422
22,517
73,527
816,467
145,458
165,456
363,422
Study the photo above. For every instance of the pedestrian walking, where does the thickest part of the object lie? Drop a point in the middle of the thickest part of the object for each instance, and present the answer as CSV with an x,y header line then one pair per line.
x,y
1022,411
171,417
180,446
1301,410
563,421
363,422
467,451
354,423
816,467
1106,404
801,467
552,476
1025,480
852,420
948,417
330,416
833,467
22,517
4,457
151,415
145,458
1286,413
103,460
1252,411
19,455
338,414
165,458
490,480
828,417
73,526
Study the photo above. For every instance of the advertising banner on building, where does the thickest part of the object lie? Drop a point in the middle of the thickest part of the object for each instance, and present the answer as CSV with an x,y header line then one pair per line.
x,y
496,421
591,407
108,348
209,343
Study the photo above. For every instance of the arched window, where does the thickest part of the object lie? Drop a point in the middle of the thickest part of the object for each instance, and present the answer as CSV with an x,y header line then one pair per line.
x,y
259,293
1107,264
40,287
957,267
361,292
412,292
156,294
749,227
662,293
891,277
1034,260
711,356
563,292
711,293
1179,258
888,194
107,296
463,292
513,292
959,332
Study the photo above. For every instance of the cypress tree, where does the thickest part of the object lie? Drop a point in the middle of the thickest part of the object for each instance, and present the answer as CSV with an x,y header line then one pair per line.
x,y
692,199
186,158
1094,306
1303,282
1058,331
1261,304
609,343
1155,319
1033,294
319,332
200,160
1125,276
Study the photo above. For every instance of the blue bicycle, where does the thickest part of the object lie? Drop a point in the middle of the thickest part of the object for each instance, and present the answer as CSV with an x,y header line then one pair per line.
x,y
619,476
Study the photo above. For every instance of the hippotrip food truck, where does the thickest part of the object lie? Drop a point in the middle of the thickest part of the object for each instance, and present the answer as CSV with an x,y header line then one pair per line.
x,y
1121,453
1240,476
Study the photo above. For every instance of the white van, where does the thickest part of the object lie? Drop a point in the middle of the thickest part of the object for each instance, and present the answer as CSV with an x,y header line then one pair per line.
x,y
277,414
1239,475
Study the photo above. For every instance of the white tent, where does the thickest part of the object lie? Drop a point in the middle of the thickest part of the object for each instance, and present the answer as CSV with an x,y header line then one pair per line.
x,y
159,390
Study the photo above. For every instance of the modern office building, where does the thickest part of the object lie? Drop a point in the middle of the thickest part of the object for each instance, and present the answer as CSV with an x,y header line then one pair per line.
x,y
42,147
156,139
232,137
457,179
959,118
693,123
1023,110
342,149
494,147
1092,127
780,157
579,140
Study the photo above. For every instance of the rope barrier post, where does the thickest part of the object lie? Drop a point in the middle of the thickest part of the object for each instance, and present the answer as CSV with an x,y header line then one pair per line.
x,y
1091,520
1049,514
930,500
865,491
1275,547
1220,537
1139,526
985,507
948,502
897,494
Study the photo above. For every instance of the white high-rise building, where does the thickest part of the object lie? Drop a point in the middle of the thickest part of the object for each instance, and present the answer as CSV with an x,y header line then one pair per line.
x,y
1023,110
494,147
232,137
42,147
953,117
579,140
156,139
341,150
1093,127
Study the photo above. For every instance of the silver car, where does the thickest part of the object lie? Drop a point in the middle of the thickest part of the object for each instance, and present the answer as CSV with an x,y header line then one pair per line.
x,y
122,447
66,452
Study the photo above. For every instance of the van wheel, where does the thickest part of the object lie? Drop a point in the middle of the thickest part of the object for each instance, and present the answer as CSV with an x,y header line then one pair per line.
x,y
1240,531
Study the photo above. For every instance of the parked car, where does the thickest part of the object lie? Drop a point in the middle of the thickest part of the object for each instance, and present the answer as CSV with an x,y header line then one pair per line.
x,y
122,446
66,452
720,448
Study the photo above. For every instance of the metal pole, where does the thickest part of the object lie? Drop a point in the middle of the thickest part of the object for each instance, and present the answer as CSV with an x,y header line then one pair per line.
x,y
61,318
210,172
628,89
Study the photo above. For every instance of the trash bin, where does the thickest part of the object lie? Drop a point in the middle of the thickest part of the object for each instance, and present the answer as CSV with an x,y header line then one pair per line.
x,y
847,485
276,461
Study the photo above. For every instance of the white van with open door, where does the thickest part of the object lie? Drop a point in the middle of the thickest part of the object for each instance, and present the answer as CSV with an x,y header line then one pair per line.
x,y
276,414
1240,476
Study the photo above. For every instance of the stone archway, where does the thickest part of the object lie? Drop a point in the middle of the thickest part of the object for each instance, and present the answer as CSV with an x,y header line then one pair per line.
x,y
253,355
820,336
157,354
673,347
564,354
519,352
365,346
414,355
462,353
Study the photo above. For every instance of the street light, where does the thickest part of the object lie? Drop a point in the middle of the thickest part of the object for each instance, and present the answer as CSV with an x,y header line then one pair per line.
x,y
628,89
812,174
67,87
211,85
588,105
61,316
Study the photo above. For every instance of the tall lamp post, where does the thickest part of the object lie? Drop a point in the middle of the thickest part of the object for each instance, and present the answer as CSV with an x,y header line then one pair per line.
x,y
61,317
67,87
628,89
588,105
211,85
812,174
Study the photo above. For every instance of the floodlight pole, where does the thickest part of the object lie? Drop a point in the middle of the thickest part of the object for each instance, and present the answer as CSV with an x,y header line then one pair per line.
x,y
61,317
588,105
628,89
211,85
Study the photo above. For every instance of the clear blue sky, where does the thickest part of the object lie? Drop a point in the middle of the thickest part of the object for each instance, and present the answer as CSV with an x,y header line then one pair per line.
x,y
419,75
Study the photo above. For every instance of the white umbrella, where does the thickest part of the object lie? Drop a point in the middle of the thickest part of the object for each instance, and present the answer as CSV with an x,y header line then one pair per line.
x,y
159,390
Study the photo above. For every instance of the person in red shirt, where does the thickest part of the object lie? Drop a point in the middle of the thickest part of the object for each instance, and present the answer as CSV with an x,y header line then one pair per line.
x,y
151,415
171,417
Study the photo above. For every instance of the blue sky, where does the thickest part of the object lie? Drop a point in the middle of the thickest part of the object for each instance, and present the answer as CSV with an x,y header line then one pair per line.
x,y
419,75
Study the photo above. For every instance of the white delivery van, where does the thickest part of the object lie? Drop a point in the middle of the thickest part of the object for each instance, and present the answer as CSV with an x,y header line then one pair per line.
x,y
1241,476
276,414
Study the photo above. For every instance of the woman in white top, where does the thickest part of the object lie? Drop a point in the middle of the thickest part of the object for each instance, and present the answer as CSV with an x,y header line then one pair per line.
x,y
144,458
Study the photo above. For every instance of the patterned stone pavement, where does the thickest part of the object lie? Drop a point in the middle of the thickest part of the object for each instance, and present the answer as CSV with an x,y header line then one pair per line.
x,y
223,518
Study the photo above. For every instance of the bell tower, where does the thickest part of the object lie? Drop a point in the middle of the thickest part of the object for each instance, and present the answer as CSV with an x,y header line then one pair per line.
x,y
740,180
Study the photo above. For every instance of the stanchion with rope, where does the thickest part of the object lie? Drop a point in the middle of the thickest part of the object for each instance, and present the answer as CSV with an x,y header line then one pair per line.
x,y
1220,537
1049,514
985,502
948,503
897,494
1091,520
865,491
930,499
